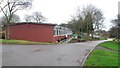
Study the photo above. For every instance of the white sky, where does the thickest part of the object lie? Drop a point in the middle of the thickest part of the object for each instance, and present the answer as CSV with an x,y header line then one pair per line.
x,y
60,11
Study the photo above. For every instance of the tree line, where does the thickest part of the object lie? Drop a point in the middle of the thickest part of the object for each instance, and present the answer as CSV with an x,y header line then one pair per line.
x,y
114,32
87,20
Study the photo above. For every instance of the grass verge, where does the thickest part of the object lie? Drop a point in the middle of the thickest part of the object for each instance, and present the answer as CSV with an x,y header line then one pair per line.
x,y
102,38
100,57
111,45
23,42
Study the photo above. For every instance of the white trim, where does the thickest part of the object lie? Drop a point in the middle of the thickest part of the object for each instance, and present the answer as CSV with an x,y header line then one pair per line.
x,y
58,35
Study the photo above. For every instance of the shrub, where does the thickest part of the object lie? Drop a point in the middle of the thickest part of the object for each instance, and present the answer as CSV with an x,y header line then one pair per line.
x,y
113,39
3,35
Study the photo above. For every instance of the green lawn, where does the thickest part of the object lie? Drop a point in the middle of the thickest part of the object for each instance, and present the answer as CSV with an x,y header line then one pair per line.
x,y
111,45
102,38
23,42
100,57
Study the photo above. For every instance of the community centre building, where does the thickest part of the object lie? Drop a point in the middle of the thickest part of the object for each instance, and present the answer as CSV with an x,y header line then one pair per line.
x,y
39,32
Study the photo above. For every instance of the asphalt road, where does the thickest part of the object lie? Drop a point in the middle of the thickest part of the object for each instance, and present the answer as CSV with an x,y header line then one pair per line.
x,y
71,54
0,55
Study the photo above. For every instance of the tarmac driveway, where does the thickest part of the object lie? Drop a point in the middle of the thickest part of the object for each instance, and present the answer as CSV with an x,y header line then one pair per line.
x,y
71,54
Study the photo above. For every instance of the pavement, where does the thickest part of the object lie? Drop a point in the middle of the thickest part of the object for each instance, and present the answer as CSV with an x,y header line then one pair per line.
x,y
67,40
71,54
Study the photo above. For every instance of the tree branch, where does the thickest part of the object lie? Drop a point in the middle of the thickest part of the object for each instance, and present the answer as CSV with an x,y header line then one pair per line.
x,y
4,13
1,1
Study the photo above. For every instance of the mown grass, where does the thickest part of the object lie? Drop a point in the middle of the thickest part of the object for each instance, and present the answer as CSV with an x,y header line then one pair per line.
x,y
111,45
100,57
102,38
22,42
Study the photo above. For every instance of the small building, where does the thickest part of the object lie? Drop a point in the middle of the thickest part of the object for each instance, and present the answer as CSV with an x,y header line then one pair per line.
x,y
38,32
61,33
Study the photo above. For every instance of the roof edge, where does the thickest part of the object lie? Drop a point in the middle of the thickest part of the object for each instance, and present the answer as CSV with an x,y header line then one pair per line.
x,y
33,23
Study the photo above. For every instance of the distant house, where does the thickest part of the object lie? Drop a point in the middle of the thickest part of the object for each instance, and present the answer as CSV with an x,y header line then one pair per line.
x,y
101,33
38,32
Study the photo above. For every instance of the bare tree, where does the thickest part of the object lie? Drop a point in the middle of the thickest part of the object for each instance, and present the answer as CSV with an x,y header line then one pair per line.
x,y
10,7
15,18
87,20
36,17
89,24
93,19
28,18
1,2
96,14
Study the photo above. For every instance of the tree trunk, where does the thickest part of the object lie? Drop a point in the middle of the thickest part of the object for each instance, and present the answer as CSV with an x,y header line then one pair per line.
x,y
8,32
92,34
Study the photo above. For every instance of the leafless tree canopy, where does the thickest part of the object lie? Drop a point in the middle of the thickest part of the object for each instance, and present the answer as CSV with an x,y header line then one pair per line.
x,y
96,14
28,18
15,18
35,17
9,7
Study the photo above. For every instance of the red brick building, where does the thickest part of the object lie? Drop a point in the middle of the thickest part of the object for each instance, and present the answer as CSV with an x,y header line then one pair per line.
x,y
37,32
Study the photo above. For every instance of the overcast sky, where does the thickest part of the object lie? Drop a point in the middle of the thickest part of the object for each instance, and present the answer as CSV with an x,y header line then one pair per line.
x,y
60,11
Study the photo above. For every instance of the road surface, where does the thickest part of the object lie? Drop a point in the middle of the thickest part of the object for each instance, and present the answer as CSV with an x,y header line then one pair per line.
x,y
0,55
71,54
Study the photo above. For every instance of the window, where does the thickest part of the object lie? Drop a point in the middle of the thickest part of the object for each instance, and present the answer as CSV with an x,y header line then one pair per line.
x,y
57,32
